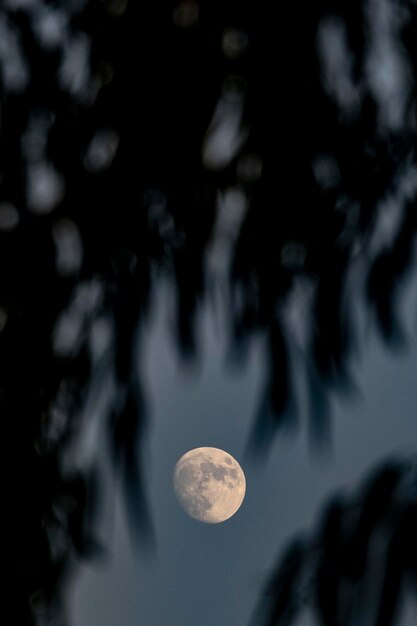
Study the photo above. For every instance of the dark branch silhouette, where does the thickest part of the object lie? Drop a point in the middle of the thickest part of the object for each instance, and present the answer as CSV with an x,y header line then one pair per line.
x,y
359,564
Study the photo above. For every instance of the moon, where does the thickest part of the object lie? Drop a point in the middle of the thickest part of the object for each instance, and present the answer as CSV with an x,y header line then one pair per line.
x,y
210,484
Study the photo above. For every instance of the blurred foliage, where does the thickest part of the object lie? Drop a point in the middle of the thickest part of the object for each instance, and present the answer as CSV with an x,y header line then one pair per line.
x,y
267,160
359,564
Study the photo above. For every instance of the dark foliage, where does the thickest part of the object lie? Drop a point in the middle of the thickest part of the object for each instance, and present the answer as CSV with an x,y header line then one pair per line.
x,y
134,139
359,564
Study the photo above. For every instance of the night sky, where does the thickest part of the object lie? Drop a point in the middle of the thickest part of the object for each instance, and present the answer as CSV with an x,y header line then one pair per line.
x,y
165,164
209,575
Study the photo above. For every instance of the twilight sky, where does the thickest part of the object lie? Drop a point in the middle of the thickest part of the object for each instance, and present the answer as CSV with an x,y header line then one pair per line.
x,y
211,575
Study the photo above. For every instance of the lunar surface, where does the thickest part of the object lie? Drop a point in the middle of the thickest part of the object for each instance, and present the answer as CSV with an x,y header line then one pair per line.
x,y
210,484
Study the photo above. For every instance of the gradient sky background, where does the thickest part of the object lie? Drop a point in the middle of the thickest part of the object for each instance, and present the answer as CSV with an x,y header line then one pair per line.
x,y
212,575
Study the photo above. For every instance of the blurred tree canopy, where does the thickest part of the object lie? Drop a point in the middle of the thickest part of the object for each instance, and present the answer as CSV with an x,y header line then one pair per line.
x,y
359,565
266,161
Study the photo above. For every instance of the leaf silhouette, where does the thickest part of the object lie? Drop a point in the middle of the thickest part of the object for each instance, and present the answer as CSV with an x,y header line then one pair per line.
x,y
359,559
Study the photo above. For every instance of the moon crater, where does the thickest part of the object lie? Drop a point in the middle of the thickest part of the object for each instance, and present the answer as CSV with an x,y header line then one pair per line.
x,y
210,484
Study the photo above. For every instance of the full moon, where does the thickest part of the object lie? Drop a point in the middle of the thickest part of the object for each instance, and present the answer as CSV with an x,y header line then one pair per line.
x,y
210,484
